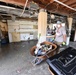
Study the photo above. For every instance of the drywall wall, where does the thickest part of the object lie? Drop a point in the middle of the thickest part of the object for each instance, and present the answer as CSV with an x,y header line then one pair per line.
x,y
26,29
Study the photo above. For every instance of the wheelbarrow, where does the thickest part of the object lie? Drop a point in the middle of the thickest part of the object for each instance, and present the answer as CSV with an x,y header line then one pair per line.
x,y
39,58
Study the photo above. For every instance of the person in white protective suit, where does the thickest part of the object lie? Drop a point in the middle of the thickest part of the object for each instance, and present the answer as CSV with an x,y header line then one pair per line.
x,y
60,36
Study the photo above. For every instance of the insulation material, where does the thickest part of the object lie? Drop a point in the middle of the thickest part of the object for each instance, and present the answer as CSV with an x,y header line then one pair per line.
x,y
42,23
70,20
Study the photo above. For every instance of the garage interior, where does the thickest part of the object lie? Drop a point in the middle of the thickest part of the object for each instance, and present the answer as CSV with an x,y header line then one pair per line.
x,y
22,22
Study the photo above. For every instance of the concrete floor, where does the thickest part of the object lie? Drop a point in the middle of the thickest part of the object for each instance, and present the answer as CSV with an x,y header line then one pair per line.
x,y
15,59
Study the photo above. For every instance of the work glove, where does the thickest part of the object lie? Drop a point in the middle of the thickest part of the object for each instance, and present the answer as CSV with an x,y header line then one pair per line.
x,y
53,38
63,43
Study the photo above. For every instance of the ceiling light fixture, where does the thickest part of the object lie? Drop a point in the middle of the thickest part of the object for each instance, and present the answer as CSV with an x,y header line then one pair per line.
x,y
52,16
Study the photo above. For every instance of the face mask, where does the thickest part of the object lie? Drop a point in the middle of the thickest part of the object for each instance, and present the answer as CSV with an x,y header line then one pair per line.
x,y
58,26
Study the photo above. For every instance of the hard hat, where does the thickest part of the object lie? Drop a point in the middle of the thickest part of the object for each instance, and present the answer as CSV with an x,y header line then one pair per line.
x,y
58,22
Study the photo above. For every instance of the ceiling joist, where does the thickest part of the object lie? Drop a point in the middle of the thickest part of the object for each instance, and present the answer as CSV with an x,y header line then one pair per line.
x,y
70,2
59,6
16,2
65,5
